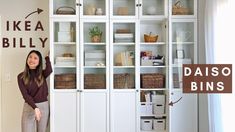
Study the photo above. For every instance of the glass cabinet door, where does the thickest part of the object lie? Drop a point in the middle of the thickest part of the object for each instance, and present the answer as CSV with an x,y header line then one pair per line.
x,y
184,48
65,55
93,52
123,42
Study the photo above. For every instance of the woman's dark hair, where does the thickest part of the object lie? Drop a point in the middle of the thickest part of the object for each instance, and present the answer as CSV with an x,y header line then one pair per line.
x,y
26,74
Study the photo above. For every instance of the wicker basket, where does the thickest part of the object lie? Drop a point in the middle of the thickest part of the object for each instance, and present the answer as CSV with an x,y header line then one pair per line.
x,y
94,81
65,10
150,38
124,81
65,81
178,9
152,80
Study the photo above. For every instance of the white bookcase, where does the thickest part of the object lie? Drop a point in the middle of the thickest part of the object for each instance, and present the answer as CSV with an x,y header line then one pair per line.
x,y
107,92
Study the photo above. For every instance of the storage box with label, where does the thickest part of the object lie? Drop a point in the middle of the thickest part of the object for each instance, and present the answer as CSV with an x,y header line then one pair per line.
x,y
64,36
146,109
159,124
146,124
158,109
158,99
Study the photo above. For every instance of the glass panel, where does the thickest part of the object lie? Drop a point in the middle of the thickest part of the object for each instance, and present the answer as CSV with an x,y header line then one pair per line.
x,y
124,7
153,7
65,32
65,78
94,7
151,29
124,32
94,32
183,7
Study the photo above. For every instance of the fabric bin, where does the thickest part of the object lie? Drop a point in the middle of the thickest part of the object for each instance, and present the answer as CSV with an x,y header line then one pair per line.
x,y
146,124
159,124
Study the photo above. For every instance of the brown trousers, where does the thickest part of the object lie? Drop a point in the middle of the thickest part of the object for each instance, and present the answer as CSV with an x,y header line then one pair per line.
x,y
29,123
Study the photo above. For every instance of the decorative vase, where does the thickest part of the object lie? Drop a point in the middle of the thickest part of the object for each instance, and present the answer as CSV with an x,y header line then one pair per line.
x,y
96,39
99,11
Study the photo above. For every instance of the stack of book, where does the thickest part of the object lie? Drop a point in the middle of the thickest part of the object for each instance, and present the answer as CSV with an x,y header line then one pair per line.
x,y
95,58
65,61
123,37
125,58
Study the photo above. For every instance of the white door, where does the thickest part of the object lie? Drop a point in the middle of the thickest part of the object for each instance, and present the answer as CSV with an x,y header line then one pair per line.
x,y
64,116
184,114
123,111
94,111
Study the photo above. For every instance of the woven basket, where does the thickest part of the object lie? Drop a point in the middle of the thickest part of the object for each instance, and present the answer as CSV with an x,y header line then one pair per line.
x,y
65,81
65,10
152,80
124,81
94,81
150,38
178,9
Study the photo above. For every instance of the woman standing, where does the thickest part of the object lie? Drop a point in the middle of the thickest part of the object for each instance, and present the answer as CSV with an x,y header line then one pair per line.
x,y
33,86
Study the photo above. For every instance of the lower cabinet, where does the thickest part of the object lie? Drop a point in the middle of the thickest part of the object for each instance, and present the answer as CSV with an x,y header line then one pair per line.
x,y
123,111
94,112
64,112
184,114
115,111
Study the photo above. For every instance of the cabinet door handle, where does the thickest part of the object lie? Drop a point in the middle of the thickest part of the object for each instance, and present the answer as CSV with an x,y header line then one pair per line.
x,y
79,4
137,5
137,91
140,4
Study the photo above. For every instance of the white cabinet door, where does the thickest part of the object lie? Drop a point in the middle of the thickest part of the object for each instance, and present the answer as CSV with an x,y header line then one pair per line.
x,y
123,112
64,116
184,114
94,111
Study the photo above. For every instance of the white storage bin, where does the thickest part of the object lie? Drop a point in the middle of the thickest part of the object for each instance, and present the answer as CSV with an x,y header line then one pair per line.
x,y
146,109
64,37
64,26
158,109
159,124
146,124
158,99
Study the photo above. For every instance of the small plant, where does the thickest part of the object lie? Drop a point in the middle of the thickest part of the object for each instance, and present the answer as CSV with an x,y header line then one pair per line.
x,y
95,34
95,31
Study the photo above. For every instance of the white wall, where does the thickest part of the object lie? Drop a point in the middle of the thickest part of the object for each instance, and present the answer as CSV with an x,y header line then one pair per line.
x,y
0,79
13,59
203,104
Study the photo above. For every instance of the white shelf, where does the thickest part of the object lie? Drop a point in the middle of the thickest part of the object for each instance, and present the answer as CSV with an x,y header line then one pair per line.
x,y
154,43
153,89
183,43
65,43
182,16
92,44
59,66
153,66
118,44
154,115
94,67
154,131
120,67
